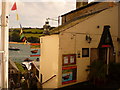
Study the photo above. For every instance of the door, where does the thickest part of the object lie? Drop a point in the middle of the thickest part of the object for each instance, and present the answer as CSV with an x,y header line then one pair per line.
x,y
94,55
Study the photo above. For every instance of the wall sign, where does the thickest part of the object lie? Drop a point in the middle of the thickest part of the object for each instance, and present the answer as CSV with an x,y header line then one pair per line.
x,y
69,74
69,59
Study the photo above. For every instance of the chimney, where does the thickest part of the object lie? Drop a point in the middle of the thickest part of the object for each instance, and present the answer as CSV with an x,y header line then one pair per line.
x,y
81,3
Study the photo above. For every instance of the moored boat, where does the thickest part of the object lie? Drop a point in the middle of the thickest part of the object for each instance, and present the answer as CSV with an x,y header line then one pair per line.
x,y
34,51
14,49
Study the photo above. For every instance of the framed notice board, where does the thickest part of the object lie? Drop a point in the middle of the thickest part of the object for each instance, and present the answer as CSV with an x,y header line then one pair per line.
x,y
69,59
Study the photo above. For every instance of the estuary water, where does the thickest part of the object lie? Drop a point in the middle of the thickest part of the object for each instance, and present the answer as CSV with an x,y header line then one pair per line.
x,y
22,54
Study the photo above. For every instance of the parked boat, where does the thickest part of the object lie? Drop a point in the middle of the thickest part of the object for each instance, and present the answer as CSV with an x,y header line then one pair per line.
x,y
27,60
14,49
34,51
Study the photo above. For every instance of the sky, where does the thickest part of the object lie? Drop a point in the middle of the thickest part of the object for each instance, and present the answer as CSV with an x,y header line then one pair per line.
x,y
34,14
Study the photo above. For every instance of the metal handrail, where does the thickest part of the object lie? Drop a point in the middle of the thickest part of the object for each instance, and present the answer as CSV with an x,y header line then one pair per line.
x,y
49,79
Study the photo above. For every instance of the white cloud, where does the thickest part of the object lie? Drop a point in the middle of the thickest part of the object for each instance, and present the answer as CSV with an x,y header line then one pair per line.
x,y
35,14
42,0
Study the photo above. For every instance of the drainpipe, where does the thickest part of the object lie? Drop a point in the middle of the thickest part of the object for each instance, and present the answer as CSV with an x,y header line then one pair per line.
x,y
4,46
108,54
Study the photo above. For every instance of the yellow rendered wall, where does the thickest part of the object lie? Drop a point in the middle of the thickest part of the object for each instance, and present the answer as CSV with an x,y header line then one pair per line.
x,y
73,40
49,60
119,31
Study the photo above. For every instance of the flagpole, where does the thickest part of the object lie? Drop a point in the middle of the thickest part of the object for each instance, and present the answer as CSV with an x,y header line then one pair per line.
x,y
4,45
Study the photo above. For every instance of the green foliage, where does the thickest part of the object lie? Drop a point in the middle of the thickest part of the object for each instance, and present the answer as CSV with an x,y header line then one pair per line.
x,y
15,37
98,71
32,34
20,67
33,39
35,46
32,31
114,71
98,75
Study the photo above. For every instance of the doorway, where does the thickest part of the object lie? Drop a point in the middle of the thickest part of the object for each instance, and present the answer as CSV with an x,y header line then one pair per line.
x,y
101,54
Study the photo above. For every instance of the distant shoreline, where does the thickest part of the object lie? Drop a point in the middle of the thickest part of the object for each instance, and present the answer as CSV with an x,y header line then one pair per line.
x,y
18,43
24,43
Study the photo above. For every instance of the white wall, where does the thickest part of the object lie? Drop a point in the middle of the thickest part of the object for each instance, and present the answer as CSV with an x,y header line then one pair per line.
x,y
89,26
73,39
49,60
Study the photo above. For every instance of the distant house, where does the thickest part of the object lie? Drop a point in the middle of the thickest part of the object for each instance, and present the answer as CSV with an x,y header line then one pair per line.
x,y
35,69
13,71
12,67
89,33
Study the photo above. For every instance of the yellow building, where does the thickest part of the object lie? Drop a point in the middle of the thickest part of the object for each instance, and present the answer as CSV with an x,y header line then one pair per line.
x,y
67,52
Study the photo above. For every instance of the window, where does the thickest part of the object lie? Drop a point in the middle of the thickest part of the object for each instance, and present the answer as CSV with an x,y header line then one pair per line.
x,y
85,52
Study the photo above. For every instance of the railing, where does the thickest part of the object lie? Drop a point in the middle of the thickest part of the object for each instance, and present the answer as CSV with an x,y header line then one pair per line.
x,y
49,79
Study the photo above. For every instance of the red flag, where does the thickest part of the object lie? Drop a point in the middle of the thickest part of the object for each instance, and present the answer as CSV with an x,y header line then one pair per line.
x,y
14,7
24,38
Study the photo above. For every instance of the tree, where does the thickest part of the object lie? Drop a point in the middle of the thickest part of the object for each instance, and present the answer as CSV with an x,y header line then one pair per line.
x,y
15,37
33,39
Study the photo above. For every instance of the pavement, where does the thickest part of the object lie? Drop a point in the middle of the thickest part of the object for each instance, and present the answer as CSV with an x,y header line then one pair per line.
x,y
88,86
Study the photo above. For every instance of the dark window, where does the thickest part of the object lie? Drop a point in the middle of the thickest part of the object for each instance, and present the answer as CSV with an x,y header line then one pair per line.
x,y
85,52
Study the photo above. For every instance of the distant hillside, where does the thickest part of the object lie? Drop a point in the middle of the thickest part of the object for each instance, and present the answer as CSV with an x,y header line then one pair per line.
x,y
28,32
32,34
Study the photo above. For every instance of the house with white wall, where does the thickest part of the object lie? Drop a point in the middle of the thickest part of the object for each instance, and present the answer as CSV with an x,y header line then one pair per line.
x,y
89,33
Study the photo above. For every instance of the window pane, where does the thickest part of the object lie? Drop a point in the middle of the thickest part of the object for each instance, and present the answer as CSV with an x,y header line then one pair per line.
x,y
85,52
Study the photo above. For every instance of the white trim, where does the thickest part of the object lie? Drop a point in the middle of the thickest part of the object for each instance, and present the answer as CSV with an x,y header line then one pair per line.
x,y
2,51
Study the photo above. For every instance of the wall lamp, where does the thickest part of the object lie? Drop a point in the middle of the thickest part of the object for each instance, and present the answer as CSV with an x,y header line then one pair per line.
x,y
88,38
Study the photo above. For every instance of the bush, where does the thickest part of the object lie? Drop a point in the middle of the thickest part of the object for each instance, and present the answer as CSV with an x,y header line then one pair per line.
x,y
27,32
33,39
19,66
97,73
114,71
15,37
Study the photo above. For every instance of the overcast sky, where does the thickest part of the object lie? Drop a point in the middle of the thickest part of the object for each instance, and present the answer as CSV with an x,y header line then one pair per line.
x,y
34,14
